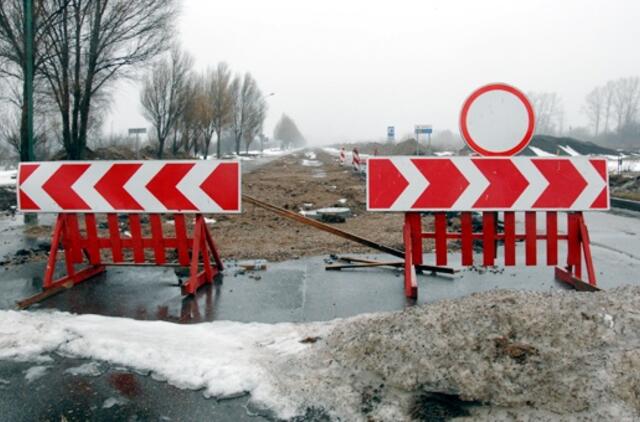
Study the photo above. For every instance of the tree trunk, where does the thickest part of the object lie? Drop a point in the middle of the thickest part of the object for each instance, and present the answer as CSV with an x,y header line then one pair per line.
x,y
161,140
218,143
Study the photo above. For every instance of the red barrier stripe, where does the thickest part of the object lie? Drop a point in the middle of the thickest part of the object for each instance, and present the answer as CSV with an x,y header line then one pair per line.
x,y
565,183
59,187
506,183
164,187
111,186
386,183
222,186
446,183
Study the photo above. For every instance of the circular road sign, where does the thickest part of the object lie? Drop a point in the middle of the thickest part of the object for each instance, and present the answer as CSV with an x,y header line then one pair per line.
x,y
497,119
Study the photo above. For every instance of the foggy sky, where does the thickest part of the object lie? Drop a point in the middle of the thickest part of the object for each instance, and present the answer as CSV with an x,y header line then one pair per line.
x,y
346,69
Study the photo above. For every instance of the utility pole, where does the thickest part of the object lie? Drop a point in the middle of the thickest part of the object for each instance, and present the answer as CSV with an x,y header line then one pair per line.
x,y
26,147
26,150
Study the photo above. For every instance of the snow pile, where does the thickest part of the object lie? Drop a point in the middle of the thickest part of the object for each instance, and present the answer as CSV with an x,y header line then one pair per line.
x,y
538,355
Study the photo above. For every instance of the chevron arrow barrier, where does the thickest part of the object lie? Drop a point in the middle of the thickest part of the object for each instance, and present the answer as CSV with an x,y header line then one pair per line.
x,y
406,184
212,186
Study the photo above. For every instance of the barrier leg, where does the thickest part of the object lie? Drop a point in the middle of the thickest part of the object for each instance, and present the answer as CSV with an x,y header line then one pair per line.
x,y
202,245
72,248
414,220
578,239
410,278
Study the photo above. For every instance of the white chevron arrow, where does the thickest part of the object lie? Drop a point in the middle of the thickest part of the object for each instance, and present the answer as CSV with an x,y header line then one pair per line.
x,y
32,187
477,183
190,186
85,189
595,183
417,183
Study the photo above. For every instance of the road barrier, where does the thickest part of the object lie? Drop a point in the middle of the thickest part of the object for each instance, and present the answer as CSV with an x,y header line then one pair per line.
x,y
355,159
130,193
458,186
343,156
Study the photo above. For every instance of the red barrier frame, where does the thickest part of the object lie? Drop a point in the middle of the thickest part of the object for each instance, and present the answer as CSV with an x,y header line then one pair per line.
x,y
195,252
577,238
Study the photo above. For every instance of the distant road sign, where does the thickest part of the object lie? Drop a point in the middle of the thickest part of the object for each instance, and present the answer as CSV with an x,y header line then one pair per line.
x,y
391,133
487,183
137,131
497,120
424,129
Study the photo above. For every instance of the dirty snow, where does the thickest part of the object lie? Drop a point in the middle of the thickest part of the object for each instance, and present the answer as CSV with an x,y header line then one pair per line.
x,y
540,355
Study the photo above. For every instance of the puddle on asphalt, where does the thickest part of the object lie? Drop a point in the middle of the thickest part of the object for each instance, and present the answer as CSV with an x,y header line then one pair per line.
x,y
113,393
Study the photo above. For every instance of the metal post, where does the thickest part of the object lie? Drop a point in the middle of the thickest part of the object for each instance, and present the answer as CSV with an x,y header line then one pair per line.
x,y
26,141
28,155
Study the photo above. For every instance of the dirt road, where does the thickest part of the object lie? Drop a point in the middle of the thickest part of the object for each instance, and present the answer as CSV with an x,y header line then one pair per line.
x,y
290,182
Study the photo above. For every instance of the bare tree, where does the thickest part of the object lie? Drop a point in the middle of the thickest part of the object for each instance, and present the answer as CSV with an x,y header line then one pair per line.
x,y
626,101
204,113
188,133
549,112
609,95
595,108
219,95
95,43
249,110
13,60
164,94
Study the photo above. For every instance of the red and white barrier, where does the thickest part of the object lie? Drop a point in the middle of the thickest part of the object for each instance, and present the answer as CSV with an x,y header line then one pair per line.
x,y
343,156
130,186
487,183
157,188
355,159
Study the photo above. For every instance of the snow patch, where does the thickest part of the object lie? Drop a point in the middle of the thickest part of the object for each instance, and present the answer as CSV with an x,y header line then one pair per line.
x,y
35,372
8,177
113,401
540,152
91,369
572,152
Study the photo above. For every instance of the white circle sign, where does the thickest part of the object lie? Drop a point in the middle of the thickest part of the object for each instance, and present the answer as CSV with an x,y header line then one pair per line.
x,y
497,120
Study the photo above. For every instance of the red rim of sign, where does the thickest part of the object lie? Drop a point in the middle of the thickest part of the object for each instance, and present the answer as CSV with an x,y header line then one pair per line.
x,y
497,87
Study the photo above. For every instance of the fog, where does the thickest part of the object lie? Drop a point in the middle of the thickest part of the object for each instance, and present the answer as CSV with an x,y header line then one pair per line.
x,y
345,70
